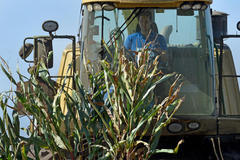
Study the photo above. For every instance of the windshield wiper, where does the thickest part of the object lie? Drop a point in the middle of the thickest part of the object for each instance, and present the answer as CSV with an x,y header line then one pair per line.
x,y
119,29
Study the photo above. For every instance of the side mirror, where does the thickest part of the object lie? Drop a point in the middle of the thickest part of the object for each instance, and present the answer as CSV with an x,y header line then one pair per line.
x,y
26,50
44,47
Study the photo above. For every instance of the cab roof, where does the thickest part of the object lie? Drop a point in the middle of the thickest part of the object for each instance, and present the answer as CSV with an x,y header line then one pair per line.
x,y
145,3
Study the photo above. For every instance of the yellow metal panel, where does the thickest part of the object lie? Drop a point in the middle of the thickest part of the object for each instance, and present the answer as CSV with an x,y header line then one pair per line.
x,y
230,85
146,3
64,71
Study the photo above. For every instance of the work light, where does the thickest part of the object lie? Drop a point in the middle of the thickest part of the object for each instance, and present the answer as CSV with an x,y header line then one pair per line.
x,y
50,26
204,6
108,6
97,7
197,6
238,25
186,6
90,7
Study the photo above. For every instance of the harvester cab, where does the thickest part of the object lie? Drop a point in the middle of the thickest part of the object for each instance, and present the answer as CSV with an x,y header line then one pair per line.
x,y
187,33
186,30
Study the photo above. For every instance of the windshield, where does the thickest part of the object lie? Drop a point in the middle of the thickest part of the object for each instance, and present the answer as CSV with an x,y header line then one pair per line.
x,y
185,36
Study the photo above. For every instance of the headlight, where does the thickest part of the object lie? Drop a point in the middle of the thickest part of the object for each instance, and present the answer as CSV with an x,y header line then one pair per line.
x,y
193,125
175,127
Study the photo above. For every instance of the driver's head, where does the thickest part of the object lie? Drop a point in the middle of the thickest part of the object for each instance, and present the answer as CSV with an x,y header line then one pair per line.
x,y
145,21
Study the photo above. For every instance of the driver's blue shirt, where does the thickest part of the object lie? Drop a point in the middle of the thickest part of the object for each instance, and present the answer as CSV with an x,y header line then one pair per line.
x,y
136,41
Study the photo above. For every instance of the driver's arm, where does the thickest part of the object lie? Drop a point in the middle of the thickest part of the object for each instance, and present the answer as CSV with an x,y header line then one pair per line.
x,y
161,48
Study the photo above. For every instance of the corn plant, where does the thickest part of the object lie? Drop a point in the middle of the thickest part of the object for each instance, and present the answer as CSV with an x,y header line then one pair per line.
x,y
9,133
117,118
45,116
131,121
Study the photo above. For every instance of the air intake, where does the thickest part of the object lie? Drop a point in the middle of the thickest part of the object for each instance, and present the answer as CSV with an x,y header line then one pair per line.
x,y
219,25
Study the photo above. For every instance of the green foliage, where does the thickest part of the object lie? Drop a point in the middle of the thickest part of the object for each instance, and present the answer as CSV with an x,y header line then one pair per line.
x,y
10,141
129,114
117,118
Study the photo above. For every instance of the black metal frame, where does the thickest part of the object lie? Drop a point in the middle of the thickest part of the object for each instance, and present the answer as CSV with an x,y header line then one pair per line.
x,y
220,74
35,38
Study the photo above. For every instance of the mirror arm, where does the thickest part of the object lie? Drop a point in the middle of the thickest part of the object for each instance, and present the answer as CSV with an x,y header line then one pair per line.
x,y
35,50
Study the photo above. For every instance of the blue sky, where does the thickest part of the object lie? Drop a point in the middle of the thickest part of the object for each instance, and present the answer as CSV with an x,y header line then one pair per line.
x,y
24,18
